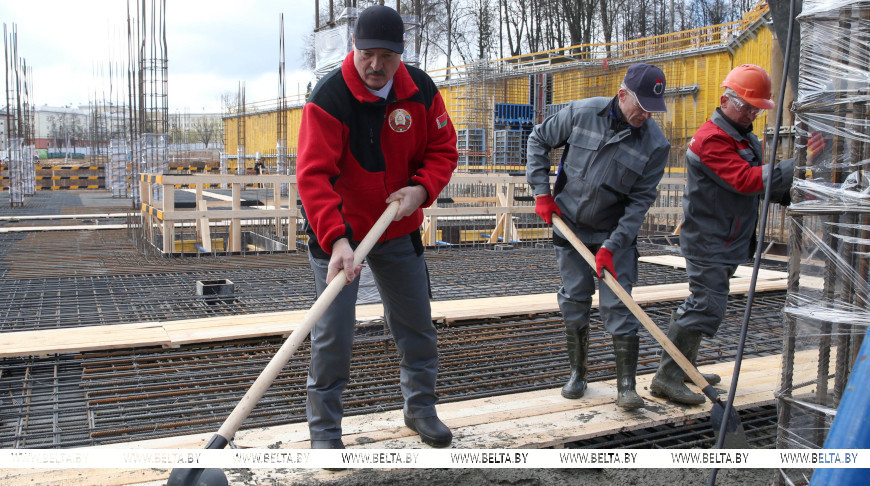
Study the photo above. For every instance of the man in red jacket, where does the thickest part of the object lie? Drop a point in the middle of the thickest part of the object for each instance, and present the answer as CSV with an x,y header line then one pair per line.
x,y
725,183
374,131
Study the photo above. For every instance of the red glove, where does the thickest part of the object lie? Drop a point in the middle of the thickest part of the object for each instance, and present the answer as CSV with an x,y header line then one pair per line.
x,y
815,145
545,206
604,259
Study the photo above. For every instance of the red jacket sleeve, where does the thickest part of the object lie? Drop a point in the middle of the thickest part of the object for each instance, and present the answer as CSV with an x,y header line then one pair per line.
x,y
719,153
441,155
321,141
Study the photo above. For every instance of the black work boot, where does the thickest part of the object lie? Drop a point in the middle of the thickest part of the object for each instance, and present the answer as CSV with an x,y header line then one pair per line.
x,y
578,346
711,378
668,381
431,429
625,348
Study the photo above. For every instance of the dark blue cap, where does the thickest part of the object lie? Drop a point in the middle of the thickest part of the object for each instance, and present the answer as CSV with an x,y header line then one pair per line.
x,y
648,84
380,27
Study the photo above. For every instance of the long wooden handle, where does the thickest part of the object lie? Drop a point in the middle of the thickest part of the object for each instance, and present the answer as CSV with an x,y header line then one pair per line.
x,y
285,352
635,309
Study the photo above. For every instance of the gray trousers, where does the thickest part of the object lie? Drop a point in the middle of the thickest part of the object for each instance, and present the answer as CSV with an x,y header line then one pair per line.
x,y
578,286
403,282
704,308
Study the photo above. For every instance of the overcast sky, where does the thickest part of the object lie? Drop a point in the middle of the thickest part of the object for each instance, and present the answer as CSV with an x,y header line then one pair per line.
x,y
212,45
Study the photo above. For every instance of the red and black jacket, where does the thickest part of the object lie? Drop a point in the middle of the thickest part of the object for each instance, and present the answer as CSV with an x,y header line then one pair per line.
x,y
725,181
356,149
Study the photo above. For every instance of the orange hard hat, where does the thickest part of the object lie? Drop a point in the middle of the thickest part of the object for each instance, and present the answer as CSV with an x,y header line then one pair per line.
x,y
751,83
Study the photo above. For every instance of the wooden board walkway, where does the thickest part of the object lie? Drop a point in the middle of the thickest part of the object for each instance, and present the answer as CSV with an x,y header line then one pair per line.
x,y
173,334
535,419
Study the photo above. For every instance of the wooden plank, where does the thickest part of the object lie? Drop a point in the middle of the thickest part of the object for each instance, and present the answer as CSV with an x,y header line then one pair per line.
x,y
742,270
477,210
211,329
66,216
119,336
228,214
193,179
205,235
257,325
533,419
91,227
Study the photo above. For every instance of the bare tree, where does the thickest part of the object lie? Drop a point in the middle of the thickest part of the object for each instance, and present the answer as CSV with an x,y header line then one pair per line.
x,y
710,12
514,24
483,20
206,129
65,130
429,14
606,9
309,59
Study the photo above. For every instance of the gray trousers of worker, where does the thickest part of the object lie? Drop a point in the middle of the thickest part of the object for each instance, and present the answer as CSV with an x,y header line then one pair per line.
x,y
403,282
578,286
704,308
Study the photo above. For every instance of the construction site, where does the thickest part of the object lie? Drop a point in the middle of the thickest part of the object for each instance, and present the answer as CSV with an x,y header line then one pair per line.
x,y
138,308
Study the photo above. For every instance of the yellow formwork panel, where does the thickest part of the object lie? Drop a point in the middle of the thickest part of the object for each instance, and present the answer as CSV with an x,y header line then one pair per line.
x,y
231,142
586,82
449,94
513,90
294,120
261,132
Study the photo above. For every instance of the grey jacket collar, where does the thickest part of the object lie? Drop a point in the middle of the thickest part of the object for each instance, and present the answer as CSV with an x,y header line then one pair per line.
x,y
731,128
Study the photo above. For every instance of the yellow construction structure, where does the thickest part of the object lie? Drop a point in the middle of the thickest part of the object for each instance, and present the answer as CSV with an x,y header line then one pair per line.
x,y
694,61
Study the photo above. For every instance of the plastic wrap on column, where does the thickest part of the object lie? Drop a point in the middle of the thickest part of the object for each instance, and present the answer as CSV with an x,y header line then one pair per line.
x,y
826,312
240,160
116,168
134,166
281,164
224,167
29,171
16,173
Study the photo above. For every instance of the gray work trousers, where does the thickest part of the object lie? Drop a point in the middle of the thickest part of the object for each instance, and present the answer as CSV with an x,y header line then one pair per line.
x,y
578,286
704,308
403,282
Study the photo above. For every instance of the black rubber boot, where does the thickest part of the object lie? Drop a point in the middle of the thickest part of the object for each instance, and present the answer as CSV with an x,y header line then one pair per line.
x,y
578,346
668,381
711,378
625,348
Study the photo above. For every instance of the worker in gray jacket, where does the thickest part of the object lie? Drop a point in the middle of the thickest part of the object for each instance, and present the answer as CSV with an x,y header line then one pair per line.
x,y
614,157
725,182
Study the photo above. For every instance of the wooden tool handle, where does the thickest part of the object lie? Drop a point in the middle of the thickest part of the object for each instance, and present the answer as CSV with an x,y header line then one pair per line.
x,y
285,352
635,309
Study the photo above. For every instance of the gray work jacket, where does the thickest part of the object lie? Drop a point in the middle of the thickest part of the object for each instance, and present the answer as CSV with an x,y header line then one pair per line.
x,y
723,191
607,180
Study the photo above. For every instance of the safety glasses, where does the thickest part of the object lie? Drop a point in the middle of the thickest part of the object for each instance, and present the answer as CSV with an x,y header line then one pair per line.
x,y
745,107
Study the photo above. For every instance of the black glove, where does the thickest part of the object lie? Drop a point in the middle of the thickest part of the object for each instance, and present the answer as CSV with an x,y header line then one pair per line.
x,y
785,200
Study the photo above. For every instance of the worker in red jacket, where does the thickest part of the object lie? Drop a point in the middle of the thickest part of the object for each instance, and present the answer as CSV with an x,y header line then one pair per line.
x,y
373,131
725,181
